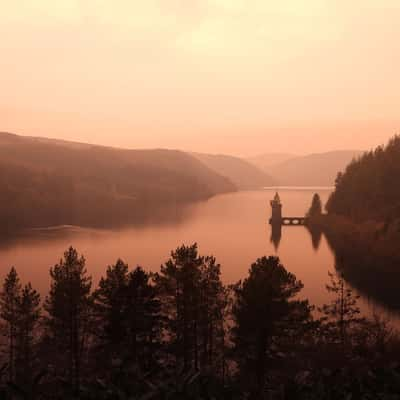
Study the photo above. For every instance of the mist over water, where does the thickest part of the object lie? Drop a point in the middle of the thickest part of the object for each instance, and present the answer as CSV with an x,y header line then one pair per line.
x,y
233,227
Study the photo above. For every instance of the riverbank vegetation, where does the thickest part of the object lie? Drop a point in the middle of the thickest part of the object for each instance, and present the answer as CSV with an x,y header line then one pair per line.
x,y
367,254
369,189
363,223
180,333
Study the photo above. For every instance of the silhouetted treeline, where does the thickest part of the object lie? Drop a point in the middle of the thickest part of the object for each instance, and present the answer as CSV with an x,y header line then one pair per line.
x,y
369,188
182,334
46,183
362,225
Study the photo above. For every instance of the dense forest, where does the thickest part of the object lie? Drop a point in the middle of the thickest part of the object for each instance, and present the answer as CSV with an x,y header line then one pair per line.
x,y
363,220
369,187
46,182
180,333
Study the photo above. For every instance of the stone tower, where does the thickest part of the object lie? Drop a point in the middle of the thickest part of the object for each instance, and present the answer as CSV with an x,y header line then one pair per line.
x,y
276,205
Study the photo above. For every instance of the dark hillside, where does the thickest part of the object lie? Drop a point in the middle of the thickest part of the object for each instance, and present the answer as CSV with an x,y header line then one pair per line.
x,y
369,188
45,183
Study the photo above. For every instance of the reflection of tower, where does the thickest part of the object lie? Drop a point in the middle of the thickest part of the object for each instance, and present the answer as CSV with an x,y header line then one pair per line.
x,y
276,205
276,220
276,234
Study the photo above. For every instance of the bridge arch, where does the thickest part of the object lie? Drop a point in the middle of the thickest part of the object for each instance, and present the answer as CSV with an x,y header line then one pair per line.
x,y
296,221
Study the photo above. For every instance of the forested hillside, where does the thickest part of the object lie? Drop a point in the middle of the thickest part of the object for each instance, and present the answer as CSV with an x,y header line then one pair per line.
x,y
369,188
49,183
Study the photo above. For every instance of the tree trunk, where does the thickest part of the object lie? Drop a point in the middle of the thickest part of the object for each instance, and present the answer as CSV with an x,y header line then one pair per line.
x,y
11,354
196,350
261,365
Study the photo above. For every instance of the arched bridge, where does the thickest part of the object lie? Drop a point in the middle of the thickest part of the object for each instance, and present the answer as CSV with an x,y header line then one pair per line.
x,y
294,221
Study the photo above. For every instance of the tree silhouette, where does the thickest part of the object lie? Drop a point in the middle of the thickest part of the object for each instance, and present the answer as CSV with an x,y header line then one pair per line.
x,y
213,302
316,206
110,303
194,300
262,309
9,302
145,327
368,189
128,315
343,311
143,318
68,306
179,283
28,309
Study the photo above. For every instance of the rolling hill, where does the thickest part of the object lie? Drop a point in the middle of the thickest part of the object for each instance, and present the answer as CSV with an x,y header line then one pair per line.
x,y
318,169
242,173
265,161
47,182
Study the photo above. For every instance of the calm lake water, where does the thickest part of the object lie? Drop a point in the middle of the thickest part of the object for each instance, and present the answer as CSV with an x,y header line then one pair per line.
x,y
232,227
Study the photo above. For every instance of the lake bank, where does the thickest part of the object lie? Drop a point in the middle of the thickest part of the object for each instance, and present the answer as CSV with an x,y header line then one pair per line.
x,y
233,227
367,253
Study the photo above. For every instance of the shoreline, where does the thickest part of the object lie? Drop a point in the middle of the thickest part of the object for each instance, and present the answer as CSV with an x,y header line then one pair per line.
x,y
366,253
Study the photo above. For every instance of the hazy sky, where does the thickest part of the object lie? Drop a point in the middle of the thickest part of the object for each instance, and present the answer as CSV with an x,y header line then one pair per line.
x,y
235,76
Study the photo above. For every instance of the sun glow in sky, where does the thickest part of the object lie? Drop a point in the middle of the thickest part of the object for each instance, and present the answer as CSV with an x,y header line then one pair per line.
x,y
234,76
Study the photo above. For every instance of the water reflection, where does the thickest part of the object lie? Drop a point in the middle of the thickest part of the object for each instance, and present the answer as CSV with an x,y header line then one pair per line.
x,y
276,235
316,236
232,227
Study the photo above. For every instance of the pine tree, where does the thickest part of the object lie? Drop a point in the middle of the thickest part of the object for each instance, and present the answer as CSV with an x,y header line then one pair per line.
x,y
28,309
343,312
262,312
68,306
110,304
143,318
213,302
316,206
179,283
9,301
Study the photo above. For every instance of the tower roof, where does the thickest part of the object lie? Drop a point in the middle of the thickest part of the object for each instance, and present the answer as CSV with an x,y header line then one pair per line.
x,y
277,199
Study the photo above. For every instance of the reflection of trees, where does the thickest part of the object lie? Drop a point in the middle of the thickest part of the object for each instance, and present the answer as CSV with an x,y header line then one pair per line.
x,y
370,272
165,216
316,235
276,234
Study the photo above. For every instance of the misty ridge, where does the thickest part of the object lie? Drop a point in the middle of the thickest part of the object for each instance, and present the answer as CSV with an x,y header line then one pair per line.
x,y
49,182
318,169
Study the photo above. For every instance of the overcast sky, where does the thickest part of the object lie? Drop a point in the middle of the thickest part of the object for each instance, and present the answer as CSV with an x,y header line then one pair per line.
x,y
233,76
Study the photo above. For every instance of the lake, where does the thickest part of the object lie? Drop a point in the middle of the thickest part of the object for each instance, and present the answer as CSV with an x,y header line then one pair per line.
x,y
233,227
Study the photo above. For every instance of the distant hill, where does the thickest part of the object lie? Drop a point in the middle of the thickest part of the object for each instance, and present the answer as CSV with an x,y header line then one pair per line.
x,y
318,169
265,161
243,174
45,182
